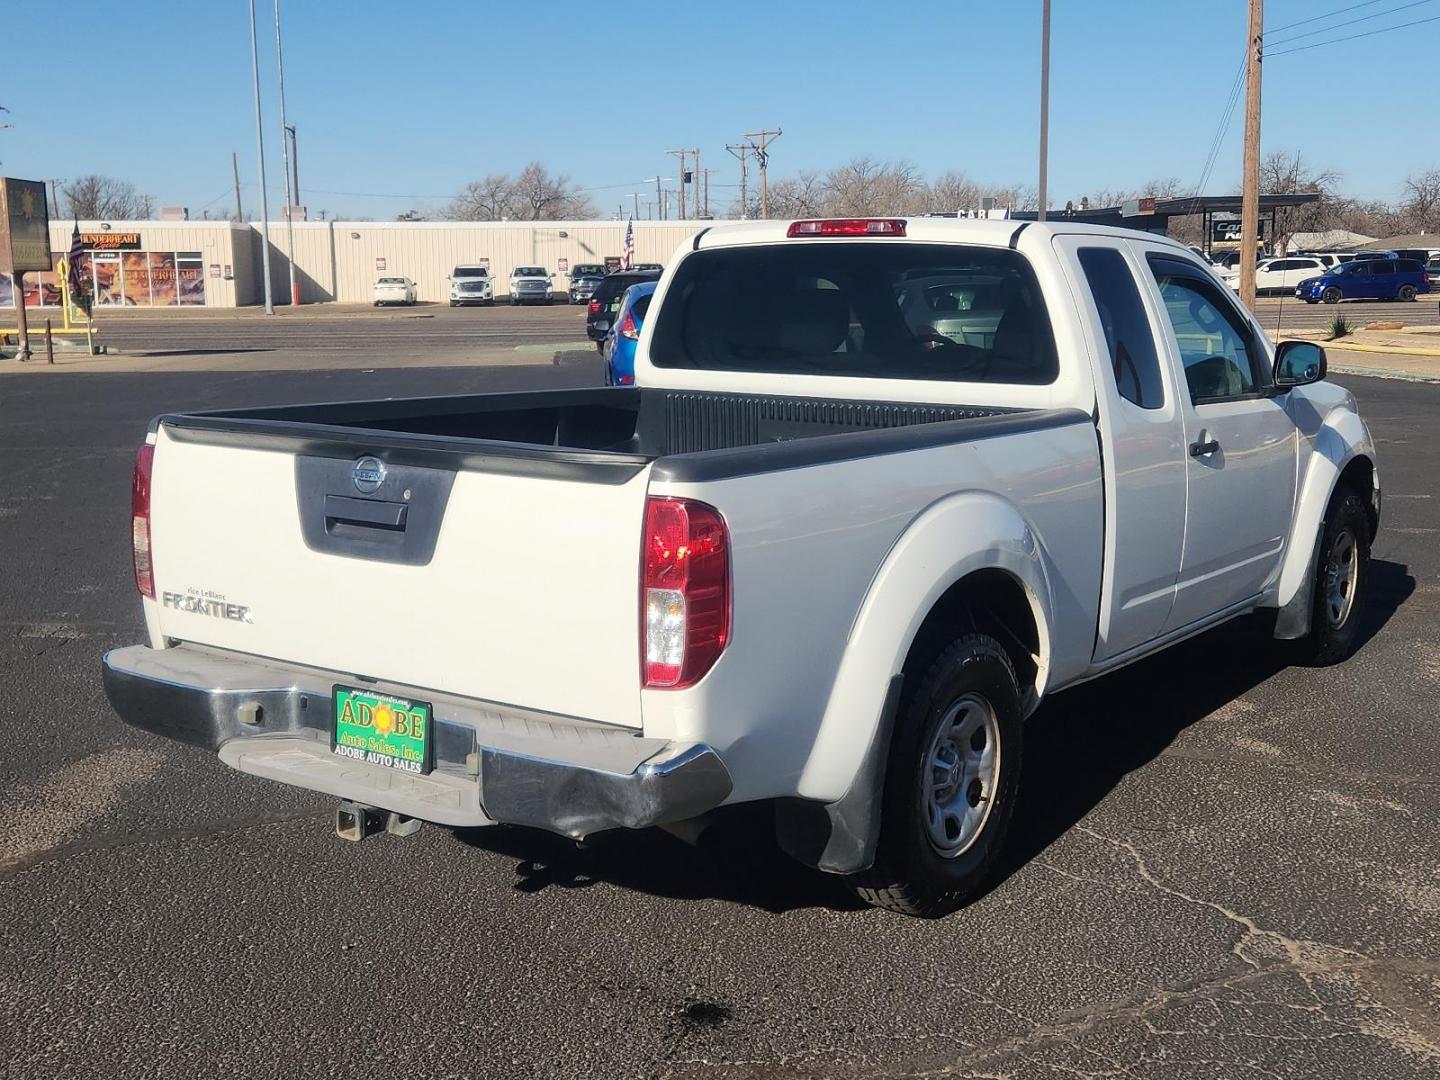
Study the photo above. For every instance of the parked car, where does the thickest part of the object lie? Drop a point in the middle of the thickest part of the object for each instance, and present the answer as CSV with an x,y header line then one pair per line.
x,y
1278,275
1227,260
471,285
393,290
1420,255
583,286
530,285
1367,279
814,558
605,302
624,334
1433,269
588,270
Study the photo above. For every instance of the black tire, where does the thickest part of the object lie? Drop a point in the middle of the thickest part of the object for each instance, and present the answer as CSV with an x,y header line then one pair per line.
x,y
1406,293
1334,607
1332,295
911,874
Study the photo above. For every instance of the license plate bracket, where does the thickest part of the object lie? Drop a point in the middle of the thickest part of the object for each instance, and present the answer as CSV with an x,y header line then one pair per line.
x,y
381,729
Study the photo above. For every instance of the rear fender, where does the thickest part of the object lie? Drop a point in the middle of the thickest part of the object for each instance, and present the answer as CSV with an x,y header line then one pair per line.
x,y
949,540
1341,439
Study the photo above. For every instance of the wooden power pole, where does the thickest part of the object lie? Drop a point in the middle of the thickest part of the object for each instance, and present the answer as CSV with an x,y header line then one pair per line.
x,y
1250,188
762,155
741,153
235,168
682,154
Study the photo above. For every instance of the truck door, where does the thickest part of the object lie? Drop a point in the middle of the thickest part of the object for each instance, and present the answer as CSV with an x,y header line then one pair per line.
x,y
1241,444
1142,445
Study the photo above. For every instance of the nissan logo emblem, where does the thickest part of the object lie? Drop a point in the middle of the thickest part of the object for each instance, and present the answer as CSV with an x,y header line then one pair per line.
x,y
368,474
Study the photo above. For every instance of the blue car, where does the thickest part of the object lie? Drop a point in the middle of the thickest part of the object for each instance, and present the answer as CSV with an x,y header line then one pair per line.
x,y
1367,279
620,340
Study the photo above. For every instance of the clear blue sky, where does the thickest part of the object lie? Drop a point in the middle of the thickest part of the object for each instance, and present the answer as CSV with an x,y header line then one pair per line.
x,y
412,99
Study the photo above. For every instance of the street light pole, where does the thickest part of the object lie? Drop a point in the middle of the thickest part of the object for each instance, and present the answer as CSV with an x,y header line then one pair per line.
x,y
260,154
285,163
1044,109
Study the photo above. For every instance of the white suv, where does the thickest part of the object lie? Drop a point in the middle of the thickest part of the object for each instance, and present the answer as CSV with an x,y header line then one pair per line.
x,y
1280,275
471,285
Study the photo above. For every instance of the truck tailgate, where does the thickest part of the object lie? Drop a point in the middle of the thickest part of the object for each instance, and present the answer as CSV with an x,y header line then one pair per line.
x,y
518,589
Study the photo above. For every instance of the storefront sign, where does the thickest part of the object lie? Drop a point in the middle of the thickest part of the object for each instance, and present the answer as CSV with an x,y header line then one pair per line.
x,y
379,262
215,270
612,263
564,266
24,226
111,241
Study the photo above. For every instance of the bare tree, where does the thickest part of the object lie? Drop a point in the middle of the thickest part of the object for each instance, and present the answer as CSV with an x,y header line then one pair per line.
x,y
800,196
865,186
103,197
490,199
953,191
1283,173
1421,205
538,196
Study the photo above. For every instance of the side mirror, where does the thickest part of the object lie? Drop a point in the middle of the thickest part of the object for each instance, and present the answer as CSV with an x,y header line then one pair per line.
x,y
1298,363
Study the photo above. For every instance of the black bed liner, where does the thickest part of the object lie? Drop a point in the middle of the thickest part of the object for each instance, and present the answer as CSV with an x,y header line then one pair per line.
x,y
608,434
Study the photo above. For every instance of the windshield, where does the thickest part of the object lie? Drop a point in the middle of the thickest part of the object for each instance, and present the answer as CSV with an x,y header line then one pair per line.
x,y
470,272
884,311
530,271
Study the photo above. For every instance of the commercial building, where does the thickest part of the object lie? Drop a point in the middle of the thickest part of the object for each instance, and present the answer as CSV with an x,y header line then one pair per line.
x,y
218,264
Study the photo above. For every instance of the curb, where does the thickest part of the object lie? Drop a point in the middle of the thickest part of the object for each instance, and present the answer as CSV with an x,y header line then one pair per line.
x,y
1394,350
1384,373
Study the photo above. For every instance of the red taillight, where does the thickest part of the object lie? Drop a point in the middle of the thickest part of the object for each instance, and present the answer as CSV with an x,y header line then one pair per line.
x,y
684,591
848,227
594,307
628,329
140,522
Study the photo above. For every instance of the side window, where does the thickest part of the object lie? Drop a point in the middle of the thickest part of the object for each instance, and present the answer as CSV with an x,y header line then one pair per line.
x,y
1127,330
1216,346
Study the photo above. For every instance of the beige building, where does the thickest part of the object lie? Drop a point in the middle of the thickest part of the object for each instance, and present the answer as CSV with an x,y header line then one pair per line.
x,y
218,264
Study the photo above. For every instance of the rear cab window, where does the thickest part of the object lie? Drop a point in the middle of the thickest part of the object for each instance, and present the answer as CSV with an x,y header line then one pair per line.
x,y
945,312
1128,336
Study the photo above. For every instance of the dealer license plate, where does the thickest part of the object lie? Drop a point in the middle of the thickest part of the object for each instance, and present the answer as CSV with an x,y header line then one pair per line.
x,y
379,729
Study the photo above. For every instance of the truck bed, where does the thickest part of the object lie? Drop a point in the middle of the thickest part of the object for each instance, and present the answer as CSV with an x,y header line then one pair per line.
x,y
607,434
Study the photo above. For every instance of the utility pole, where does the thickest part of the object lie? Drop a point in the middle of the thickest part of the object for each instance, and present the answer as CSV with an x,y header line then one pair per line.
x,y
1044,108
294,163
681,154
54,194
1250,187
260,154
235,168
635,195
762,155
696,180
659,202
706,174
741,153
285,164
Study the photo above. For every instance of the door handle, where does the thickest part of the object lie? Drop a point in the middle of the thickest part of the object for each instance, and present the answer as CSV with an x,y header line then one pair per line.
x,y
1205,448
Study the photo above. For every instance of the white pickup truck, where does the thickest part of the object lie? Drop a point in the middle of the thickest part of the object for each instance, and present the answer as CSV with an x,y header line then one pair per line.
x,y
883,486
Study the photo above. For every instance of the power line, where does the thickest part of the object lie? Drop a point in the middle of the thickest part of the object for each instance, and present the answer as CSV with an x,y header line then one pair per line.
x,y
1221,129
1331,15
1355,37
1348,22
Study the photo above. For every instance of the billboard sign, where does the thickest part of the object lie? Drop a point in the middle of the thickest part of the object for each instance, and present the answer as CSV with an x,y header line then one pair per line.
x,y
1228,232
24,226
111,241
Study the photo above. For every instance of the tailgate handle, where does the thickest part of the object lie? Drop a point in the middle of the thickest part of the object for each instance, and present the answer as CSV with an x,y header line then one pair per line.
x,y
370,513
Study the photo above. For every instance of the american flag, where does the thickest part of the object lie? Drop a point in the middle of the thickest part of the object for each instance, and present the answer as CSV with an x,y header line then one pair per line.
x,y
629,255
75,276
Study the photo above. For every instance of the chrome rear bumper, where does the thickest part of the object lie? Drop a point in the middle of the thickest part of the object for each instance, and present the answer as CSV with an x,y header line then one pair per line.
x,y
492,763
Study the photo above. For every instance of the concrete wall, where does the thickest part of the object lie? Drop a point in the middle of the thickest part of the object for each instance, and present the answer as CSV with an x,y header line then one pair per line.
x,y
337,260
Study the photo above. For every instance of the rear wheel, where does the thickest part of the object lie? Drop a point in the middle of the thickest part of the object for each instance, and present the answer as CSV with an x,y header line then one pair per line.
x,y
1338,590
1331,295
951,782
1406,293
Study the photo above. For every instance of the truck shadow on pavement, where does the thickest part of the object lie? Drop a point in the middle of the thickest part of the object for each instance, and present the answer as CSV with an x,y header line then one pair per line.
x,y
1083,742
1079,746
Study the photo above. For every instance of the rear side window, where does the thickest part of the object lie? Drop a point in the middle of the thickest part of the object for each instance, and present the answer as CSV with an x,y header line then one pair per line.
x,y
641,306
1128,336
864,309
1407,266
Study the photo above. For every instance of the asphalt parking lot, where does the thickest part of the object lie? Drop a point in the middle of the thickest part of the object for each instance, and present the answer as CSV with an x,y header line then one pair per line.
x,y
1224,866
